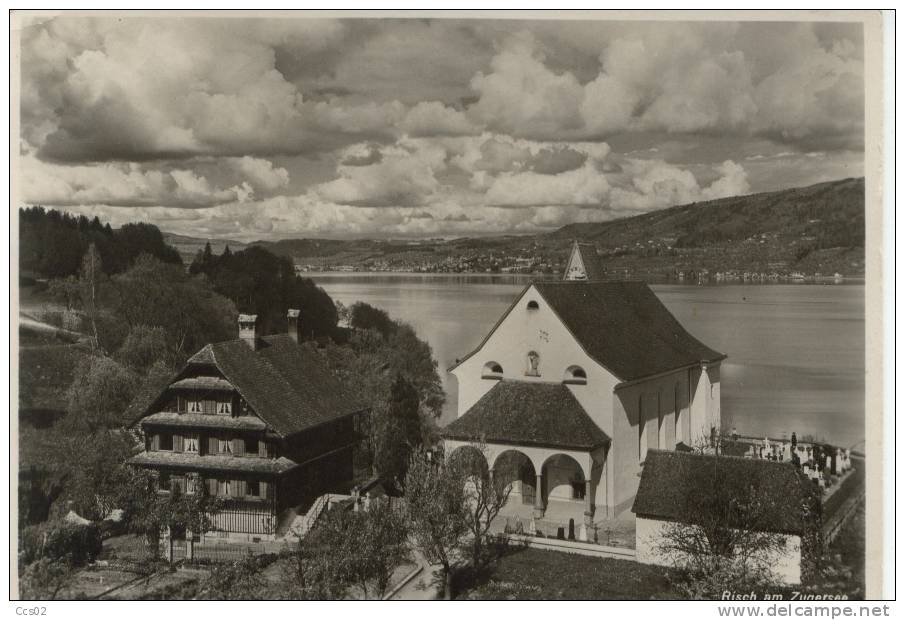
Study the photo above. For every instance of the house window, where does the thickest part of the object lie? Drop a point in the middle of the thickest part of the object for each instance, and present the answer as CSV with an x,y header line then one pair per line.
x,y
194,406
223,488
253,488
224,408
578,488
533,305
190,484
163,481
166,441
191,442
251,447
575,375
226,446
492,370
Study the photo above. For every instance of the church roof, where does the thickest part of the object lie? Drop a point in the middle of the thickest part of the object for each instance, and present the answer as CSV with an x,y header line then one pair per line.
x,y
528,413
625,327
594,267
286,384
620,324
698,488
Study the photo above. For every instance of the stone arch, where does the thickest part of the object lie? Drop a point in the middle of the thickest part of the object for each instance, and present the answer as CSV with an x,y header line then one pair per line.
x,y
515,467
563,478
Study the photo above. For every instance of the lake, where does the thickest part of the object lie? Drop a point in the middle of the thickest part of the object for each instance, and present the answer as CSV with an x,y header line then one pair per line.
x,y
796,352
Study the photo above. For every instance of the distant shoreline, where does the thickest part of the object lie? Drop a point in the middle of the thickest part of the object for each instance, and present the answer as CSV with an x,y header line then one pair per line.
x,y
528,277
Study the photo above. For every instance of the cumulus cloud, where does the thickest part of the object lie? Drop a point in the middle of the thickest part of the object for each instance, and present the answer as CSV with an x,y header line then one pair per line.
x,y
679,78
267,127
657,184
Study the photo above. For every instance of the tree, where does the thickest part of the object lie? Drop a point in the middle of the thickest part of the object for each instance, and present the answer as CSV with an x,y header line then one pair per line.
x,y
156,294
90,277
398,433
486,493
353,549
100,392
43,579
148,512
143,347
729,541
436,509
365,316
382,545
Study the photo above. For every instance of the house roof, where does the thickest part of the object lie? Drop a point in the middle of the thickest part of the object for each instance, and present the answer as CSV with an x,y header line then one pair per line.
x,y
625,327
285,383
691,488
194,462
528,413
620,324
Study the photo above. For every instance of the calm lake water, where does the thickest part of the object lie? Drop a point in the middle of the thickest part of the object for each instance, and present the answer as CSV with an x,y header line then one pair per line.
x,y
796,352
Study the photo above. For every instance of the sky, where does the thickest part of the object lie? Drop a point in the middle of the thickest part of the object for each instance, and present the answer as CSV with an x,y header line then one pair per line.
x,y
252,129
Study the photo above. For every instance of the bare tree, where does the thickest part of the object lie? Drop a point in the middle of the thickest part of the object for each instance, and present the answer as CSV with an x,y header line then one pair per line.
x,y
438,517
486,493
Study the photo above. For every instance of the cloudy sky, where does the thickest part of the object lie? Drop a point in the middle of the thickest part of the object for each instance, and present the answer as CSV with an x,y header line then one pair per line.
x,y
266,129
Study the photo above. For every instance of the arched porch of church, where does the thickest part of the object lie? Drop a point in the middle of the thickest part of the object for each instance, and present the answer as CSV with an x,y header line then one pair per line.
x,y
552,483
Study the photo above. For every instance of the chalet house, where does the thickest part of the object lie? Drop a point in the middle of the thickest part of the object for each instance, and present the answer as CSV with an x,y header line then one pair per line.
x,y
672,487
574,384
260,422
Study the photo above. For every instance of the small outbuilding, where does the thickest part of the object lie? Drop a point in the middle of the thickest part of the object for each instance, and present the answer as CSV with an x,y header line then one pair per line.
x,y
691,494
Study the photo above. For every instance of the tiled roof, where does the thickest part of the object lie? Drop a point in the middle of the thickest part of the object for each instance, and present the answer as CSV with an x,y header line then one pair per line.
x,y
288,385
675,486
527,413
203,383
200,420
625,327
194,462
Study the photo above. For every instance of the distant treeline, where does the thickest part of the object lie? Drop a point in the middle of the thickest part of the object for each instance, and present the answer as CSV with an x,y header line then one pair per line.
x,y
52,243
259,282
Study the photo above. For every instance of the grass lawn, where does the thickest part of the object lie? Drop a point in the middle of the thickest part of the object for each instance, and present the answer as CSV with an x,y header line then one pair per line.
x,y
532,574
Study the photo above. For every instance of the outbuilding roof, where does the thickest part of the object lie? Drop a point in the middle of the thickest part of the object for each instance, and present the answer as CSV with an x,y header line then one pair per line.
x,y
696,488
528,413
286,384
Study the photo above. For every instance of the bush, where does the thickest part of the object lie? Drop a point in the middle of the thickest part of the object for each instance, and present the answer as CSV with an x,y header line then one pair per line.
x,y
75,544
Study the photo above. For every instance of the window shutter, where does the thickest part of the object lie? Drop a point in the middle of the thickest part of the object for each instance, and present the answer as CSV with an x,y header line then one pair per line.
x,y
177,443
240,488
212,486
213,448
209,406
155,441
264,489
238,446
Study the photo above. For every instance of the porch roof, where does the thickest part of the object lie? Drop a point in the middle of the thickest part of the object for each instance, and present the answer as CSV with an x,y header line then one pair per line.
x,y
194,462
203,420
523,413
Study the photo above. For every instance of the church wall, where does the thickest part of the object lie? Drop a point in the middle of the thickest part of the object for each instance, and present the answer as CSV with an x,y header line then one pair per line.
x,y
539,330
644,415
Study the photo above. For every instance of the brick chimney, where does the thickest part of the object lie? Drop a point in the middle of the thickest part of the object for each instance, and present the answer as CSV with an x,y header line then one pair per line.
x,y
248,330
292,320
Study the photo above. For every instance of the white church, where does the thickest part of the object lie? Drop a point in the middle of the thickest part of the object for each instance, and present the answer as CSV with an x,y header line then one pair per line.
x,y
575,383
